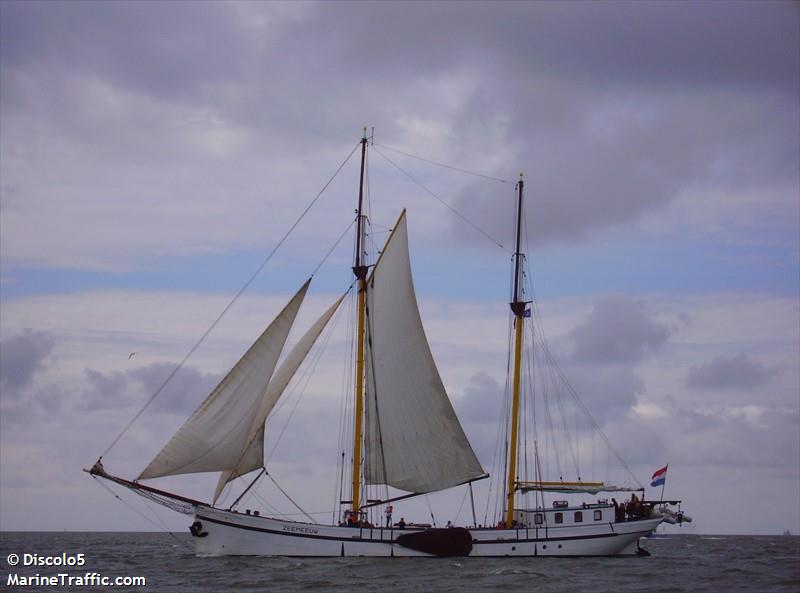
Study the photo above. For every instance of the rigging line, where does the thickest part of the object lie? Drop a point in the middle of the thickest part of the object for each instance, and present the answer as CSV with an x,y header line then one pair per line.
x,y
334,246
428,502
229,305
301,384
554,365
453,210
142,515
270,508
375,393
289,498
432,162
461,506
344,416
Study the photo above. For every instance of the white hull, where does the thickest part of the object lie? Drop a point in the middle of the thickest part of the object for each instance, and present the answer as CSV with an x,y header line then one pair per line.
x,y
235,534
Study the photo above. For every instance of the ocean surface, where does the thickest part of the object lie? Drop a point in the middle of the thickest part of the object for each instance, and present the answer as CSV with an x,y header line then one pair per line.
x,y
678,563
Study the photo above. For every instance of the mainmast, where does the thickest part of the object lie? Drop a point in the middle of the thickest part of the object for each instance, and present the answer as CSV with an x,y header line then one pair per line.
x,y
518,308
360,271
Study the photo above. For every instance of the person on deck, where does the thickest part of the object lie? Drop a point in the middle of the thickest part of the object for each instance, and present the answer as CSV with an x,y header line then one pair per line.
x,y
618,516
634,507
389,516
401,524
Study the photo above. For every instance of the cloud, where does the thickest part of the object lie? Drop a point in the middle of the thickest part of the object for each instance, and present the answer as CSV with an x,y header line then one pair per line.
x,y
23,356
608,392
185,390
108,133
617,330
735,372
479,409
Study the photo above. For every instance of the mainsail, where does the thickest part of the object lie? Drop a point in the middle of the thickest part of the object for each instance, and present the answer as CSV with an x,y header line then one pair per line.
x,y
252,457
215,436
413,439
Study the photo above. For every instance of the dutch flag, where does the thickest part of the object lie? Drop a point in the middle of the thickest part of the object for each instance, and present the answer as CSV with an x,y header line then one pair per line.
x,y
659,477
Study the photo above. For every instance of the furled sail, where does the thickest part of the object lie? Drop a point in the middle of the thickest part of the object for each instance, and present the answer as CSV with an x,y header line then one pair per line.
x,y
413,439
252,457
213,438
573,487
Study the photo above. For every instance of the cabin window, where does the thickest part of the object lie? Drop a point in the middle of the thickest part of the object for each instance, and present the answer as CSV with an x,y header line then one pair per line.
x,y
538,518
578,516
598,515
559,517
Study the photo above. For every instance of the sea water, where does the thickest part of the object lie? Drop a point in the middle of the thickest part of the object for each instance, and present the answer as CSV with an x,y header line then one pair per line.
x,y
678,563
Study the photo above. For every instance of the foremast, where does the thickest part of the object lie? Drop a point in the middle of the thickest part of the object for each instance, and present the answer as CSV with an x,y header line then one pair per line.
x,y
360,271
518,307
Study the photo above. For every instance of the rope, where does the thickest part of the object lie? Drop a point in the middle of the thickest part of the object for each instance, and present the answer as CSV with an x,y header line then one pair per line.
x,y
335,245
142,515
228,306
289,498
449,207
451,167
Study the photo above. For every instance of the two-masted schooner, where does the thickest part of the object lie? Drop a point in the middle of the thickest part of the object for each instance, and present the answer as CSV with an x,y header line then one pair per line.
x,y
405,435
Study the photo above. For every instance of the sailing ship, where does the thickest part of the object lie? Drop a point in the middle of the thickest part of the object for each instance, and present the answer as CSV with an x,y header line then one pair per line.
x,y
405,435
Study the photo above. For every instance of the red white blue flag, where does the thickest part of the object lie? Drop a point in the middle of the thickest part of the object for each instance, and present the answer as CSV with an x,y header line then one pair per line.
x,y
659,477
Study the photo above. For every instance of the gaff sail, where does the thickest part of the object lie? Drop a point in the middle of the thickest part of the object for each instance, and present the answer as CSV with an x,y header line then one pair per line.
x,y
413,439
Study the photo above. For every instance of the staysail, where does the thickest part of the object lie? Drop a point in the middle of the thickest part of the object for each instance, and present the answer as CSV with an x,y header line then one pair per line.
x,y
252,456
413,439
213,438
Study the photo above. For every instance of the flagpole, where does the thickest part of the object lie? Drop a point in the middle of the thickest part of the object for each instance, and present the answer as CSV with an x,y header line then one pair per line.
x,y
664,485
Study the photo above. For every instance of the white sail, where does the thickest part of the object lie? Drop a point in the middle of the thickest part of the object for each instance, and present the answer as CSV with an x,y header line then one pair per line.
x,y
213,438
252,457
413,439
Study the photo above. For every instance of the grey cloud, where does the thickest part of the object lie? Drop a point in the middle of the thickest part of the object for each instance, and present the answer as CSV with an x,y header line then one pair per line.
x,y
22,357
764,441
481,394
168,52
608,393
617,330
696,421
739,372
645,43
181,395
480,411
611,109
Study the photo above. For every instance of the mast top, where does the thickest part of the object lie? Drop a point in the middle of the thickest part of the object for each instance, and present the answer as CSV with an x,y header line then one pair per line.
x,y
359,267
517,306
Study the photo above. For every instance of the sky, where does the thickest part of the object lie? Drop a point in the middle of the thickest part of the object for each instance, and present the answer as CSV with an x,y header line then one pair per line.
x,y
153,154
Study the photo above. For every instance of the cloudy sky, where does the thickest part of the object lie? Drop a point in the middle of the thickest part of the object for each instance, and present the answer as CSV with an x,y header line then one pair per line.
x,y
152,155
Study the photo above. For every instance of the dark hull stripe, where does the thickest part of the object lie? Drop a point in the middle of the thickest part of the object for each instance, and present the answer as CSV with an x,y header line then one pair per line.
x,y
295,534
386,541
